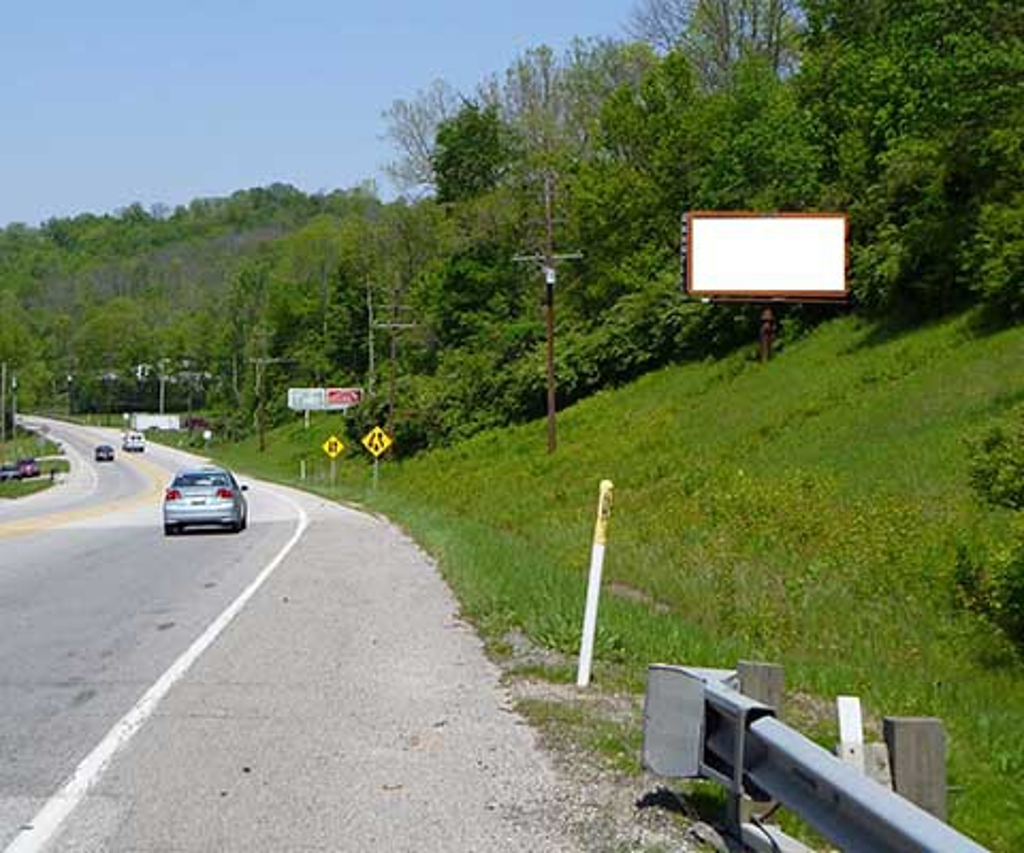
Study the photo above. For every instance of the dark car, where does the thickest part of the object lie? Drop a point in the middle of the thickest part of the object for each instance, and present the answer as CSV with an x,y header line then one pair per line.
x,y
104,453
28,467
9,471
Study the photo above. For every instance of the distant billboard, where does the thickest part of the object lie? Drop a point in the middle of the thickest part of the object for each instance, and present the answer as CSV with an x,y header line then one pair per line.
x,y
342,398
142,422
323,399
755,256
306,399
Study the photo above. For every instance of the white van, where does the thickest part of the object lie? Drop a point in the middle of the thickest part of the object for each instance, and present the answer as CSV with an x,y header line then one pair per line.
x,y
133,442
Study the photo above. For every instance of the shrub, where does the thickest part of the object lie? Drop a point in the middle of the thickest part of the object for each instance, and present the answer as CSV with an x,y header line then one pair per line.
x,y
997,463
997,261
990,581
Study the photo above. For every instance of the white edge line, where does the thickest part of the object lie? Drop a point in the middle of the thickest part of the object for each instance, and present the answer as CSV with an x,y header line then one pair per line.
x,y
49,819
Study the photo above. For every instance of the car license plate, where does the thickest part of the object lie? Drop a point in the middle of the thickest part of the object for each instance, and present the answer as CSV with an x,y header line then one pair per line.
x,y
198,501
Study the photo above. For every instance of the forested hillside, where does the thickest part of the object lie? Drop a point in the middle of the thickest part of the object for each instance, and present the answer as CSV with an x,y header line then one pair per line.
x,y
908,115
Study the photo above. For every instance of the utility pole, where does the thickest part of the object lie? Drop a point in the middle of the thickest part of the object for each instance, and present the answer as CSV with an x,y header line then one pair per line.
x,y
14,407
3,405
260,365
395,325
369,338
70,381
162,376
547,260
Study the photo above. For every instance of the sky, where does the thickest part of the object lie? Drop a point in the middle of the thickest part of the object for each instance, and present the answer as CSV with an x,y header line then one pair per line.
x,y
109,102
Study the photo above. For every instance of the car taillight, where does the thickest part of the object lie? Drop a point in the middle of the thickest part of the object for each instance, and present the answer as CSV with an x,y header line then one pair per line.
x,y
172,495
225,493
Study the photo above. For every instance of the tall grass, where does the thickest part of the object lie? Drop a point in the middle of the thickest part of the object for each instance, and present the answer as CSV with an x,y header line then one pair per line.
x,y
807,512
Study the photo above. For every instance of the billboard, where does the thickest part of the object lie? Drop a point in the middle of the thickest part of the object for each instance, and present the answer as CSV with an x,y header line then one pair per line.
x,y
323,399
142,422
341,398
306,399
756,256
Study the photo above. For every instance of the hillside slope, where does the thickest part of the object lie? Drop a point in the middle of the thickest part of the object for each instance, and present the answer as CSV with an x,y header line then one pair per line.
x,y
806,512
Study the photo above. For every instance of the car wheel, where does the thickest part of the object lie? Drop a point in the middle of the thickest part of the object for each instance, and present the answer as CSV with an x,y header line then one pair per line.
x,y
170,530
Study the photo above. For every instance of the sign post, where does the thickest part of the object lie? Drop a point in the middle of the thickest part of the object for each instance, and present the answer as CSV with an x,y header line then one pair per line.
x,y
376,441
333,447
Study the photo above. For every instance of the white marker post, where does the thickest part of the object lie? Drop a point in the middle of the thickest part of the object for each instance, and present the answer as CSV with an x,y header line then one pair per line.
x,y
851,731
604,511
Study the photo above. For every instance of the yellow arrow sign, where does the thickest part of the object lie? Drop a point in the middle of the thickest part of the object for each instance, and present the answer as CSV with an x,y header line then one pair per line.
x,y
377,441
333,446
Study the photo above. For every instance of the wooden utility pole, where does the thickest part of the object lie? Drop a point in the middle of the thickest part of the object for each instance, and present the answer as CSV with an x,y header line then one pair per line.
x,y
393,373
260,364
393,326
369,339
3,405
547,260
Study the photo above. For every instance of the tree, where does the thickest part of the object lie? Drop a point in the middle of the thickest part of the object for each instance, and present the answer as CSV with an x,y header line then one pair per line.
x,y
919,112
411,127
471,154
716,34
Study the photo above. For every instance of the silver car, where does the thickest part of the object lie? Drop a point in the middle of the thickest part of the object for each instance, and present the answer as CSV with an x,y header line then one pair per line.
x,y
205,496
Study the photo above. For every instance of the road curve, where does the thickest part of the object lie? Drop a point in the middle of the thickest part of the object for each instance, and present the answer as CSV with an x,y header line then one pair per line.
x,y
344,706
96,604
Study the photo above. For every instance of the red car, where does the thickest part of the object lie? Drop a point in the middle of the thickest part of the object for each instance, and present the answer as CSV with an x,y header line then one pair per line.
x,y
28,468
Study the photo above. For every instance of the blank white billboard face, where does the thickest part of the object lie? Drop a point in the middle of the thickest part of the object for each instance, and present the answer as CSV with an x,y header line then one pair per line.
x,y
748,256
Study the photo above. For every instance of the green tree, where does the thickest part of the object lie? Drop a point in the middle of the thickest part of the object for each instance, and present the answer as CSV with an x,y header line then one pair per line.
x,y
471,154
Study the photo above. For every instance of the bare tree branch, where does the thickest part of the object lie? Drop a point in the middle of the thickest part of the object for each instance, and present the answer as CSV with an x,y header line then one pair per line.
x,y
716,34
412,128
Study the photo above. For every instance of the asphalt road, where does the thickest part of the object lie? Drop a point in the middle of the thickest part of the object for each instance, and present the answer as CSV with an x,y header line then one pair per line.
x,y
305,685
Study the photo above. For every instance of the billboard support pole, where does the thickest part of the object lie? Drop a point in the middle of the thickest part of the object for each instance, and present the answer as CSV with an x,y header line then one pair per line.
x,y
767,334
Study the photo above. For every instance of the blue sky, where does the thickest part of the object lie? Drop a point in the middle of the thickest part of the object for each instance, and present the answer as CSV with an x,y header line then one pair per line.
x,y
108,102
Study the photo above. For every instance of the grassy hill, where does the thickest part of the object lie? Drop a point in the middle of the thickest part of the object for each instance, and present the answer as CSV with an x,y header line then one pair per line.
x,y
806,512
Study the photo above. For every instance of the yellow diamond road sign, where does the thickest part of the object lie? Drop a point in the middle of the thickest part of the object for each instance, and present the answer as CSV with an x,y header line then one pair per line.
x,y
333,446
377,441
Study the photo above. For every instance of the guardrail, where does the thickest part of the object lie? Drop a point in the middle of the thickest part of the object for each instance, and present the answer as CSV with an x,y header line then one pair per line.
x,y
698,725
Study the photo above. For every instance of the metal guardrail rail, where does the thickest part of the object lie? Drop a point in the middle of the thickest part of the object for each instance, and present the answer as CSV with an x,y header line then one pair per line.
x,y
698,725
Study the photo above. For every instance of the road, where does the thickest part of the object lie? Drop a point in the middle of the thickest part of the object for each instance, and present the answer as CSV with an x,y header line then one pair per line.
x,y
305,685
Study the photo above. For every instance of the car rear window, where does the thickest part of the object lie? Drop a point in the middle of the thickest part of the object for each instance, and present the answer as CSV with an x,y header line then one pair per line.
x,y
201,479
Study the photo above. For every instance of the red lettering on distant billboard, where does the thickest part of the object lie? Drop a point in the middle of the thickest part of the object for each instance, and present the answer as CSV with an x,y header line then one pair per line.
x,y
337,397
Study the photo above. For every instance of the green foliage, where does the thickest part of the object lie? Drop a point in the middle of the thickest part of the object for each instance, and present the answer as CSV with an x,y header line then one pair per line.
x,y
471,154
990,576
997,462
997,259
919,112
990,581
757,147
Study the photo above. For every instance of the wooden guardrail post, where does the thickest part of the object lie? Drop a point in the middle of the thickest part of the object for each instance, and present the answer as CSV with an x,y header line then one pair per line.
x,y
917,756
765,682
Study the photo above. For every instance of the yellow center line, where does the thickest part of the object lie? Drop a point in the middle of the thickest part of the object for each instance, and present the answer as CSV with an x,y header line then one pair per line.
x,y
155,476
